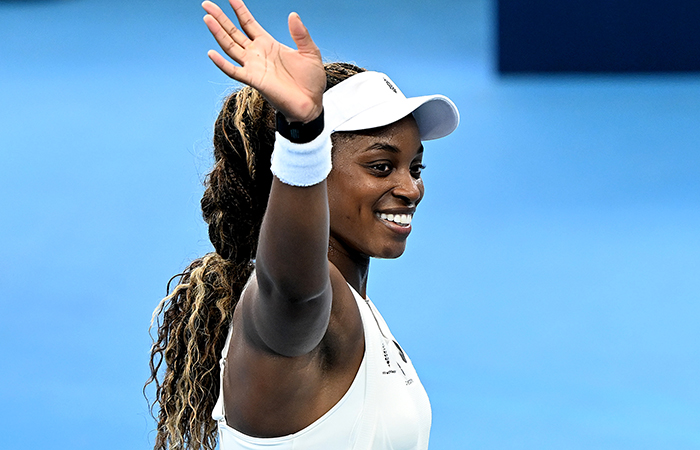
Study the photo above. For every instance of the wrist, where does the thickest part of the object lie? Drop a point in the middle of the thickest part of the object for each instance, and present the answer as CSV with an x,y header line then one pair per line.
x,y
299,132
304,164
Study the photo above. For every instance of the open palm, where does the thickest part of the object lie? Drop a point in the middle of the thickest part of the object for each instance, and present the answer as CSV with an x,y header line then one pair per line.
x,y
293,81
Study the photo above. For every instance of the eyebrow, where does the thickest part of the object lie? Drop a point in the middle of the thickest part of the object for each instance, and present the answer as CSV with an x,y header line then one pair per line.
x,y
390,148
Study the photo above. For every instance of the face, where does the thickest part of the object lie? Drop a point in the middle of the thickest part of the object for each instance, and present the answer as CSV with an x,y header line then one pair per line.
x,y
374,188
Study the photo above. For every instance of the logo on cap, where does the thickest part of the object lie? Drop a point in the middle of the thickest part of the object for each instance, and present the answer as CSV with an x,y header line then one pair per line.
x,y
391,86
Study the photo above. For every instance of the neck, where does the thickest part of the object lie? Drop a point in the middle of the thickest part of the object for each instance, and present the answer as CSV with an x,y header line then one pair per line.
x,y
353,267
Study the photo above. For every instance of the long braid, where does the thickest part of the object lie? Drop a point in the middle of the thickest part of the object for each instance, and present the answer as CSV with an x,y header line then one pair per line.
x,y
196,316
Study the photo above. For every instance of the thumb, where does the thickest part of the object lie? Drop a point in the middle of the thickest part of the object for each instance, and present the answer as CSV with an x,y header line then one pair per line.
x,y
300,35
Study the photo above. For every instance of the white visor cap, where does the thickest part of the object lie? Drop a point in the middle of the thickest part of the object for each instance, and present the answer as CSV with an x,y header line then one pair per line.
x,y
370,100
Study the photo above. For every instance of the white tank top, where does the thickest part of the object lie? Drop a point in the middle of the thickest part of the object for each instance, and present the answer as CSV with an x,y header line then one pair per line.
x,y
385,408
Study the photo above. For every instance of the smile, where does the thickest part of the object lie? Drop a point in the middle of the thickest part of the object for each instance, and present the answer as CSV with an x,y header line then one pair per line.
x,y
403,220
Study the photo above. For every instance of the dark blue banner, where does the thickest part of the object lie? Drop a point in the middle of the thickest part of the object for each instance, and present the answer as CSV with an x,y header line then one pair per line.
x,y
598,36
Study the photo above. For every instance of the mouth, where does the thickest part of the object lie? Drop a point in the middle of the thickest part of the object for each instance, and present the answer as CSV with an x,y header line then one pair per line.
x,y
402,220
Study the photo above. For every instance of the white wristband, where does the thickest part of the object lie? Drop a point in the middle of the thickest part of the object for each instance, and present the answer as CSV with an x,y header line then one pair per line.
x,y
302,164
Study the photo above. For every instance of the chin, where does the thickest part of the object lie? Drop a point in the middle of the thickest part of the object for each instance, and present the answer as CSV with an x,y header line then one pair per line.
x,y
391,252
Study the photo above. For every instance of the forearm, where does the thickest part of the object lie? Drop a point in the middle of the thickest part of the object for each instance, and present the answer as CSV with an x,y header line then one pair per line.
x,y
292,257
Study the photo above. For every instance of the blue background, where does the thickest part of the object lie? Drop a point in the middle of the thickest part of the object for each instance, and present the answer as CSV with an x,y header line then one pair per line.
x,y
549,293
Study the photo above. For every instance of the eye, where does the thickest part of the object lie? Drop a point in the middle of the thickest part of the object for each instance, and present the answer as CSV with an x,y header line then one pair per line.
x,y
381,168
417,169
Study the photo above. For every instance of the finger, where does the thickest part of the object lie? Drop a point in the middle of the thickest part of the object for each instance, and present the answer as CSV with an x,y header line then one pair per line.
x,y
227,44
237,73
300,35
248,23
237,35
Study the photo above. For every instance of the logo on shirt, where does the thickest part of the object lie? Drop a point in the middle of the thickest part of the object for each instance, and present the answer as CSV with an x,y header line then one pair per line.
x,y
386,355
388,361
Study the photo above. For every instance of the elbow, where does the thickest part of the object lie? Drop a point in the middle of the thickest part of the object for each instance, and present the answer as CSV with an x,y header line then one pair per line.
x,y
290,328
291,286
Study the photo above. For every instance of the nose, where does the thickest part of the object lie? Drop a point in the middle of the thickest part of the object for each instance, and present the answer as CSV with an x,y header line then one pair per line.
x,y
408,188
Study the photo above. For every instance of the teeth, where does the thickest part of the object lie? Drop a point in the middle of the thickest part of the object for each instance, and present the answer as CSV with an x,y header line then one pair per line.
x,y
401,219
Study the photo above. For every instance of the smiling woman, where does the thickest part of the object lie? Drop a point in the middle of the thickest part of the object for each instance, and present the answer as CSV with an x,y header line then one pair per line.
x,y
271,338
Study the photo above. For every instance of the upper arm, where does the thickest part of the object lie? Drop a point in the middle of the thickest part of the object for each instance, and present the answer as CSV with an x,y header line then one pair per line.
x,y
288,304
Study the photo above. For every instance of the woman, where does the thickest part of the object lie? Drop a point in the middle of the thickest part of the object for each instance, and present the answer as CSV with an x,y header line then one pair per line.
x,y
306,361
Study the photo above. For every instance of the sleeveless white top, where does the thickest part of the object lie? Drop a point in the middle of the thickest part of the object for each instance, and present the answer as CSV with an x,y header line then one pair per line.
x,y
385,408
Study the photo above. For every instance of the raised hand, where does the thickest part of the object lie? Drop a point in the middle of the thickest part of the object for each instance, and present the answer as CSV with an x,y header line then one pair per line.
x,y
293,81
